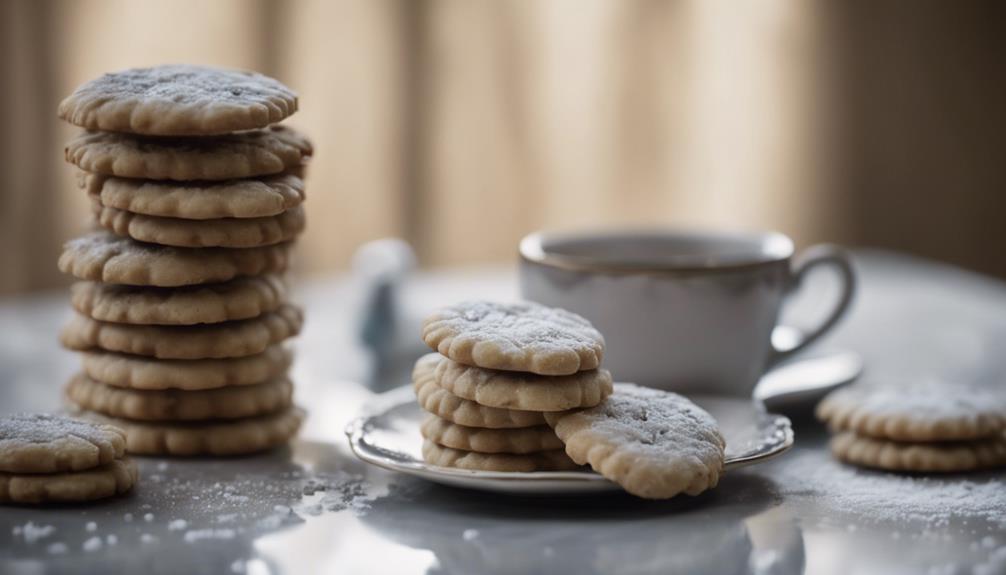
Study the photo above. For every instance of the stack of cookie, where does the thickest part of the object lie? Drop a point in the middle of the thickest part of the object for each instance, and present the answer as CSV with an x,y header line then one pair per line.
x,y
46,458
518,388
921,427
181,309
500,369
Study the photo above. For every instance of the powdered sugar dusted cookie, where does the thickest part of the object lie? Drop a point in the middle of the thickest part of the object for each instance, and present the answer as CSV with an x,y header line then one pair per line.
x,y
43,443
556,460
139,372
113,478
229,339
237,437
105,257
241,155
440,402
516,390
518,337
223,233
519,440
925,411
946,456
178,100
241,298
247,198
177,405
655,444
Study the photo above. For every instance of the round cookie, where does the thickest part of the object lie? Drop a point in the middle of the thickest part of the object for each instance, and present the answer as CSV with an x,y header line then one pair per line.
x,y
237,437
240,298
145,373
108,258
440,402
920,412
240,155
555,460
44,443
515,390
222,233
524,337
178,100
219,340
248,198
519,440
655,444
919,457
113,478
178,405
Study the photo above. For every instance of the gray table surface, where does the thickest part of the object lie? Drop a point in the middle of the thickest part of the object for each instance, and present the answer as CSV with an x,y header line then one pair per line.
x,y
314,508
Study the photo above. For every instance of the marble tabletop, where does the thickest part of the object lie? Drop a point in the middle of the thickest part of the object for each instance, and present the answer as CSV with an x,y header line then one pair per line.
x,y
314,508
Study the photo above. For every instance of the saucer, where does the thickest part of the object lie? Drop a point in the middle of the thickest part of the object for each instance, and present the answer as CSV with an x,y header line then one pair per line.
x,y
387,435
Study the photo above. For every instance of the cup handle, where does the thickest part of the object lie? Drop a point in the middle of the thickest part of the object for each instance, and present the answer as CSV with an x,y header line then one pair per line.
x,y
810,258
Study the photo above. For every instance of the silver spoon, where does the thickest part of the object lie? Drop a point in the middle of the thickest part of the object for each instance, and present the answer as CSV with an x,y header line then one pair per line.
x,y
799,384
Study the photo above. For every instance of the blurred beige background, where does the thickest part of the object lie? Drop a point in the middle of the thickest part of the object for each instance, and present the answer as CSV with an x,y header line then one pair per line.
x,y
461,125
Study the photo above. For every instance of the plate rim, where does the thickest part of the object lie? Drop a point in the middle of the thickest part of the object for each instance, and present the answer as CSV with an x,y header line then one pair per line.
x,y
383,402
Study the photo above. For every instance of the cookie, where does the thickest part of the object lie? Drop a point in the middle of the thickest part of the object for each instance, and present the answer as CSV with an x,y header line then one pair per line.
x,y
919,457
113,478
240,298
43,443
222,233
240,155
919,412
178,100
555,460
236,437
145,373
519,440
655,444
517,337
105,257
248,198
179,405
529,392
440,402
229,339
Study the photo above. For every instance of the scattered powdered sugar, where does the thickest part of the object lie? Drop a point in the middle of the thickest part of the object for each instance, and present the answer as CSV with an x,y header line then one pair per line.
x,y
470,534
57,548
91,527
31,532
203,534
177,525
92,544
884,497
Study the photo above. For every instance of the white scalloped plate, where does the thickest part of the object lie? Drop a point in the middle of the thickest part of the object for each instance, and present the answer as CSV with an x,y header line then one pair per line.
x,y
388,436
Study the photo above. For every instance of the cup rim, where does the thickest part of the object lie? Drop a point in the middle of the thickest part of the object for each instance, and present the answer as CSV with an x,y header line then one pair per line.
x,y
774,247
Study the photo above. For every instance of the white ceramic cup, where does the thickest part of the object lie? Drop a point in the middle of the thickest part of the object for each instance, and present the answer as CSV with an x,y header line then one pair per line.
x,y
684,311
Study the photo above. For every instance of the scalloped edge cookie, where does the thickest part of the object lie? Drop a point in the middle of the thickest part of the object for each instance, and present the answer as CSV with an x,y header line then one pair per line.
x,y
147,373
921,412
264,152
47,443
222,233
240,298
524,391
113,478
523,336
180,405
206,341
438,401
178,100
944,457
655,444
556,460
108,258
483,440
245,198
